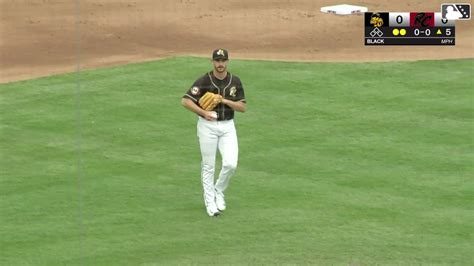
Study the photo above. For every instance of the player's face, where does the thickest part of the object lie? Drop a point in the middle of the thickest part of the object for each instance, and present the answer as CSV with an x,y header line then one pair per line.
x,y
220,65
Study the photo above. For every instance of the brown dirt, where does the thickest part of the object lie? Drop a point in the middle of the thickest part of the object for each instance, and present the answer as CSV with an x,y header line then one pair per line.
x,y
39,37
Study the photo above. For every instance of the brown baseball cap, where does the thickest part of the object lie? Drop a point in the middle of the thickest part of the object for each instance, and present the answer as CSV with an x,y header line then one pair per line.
x,y
220,54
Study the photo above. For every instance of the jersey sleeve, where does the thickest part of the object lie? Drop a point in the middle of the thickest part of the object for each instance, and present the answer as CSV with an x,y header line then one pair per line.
x,y
240,95
195,91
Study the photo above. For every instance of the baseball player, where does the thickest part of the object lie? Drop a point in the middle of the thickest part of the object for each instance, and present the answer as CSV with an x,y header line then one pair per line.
x,y
214,97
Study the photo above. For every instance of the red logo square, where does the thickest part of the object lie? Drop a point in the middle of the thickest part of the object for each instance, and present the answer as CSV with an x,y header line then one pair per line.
x,y
421,19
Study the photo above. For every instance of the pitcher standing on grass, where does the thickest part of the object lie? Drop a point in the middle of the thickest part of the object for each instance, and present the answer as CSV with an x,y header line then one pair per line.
x,y
215,126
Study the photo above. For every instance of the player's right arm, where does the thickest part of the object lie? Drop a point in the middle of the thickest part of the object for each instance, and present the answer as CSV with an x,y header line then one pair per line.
x,y
193,107
191,98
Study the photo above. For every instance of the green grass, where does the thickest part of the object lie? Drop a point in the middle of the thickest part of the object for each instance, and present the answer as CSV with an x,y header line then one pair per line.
x,y
340,164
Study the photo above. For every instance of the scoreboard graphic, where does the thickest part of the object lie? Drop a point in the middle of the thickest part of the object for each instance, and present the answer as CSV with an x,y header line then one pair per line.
x,y
408,28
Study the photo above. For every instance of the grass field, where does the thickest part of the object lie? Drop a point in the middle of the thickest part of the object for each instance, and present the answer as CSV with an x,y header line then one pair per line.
x,y
340,164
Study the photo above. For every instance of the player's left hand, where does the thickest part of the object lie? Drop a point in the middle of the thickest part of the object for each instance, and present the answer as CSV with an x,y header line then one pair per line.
x,y
209,101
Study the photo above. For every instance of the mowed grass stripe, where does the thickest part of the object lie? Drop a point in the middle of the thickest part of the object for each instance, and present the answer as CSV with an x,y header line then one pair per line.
x,y
340,163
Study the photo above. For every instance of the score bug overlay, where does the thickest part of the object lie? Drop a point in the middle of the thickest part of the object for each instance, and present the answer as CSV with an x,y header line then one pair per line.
x,y
408,28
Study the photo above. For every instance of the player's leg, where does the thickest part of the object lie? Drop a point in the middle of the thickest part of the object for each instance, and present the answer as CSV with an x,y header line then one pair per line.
x,y
228,147
208,145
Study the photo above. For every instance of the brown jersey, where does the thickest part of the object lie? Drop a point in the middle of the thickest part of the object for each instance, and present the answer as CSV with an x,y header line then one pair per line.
x,y
229,88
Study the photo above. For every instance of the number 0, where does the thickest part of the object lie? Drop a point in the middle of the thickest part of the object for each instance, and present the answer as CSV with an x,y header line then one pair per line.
x,y
399,19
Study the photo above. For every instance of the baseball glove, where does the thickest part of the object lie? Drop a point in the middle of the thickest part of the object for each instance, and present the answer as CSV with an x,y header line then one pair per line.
x,y
209,101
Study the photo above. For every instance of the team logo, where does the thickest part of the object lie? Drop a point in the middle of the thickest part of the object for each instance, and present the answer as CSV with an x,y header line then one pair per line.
x,y
233,91
422,19
195,90
220,52
376,20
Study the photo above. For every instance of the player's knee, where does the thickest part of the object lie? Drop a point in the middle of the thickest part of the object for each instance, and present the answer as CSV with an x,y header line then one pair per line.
x,y
230,166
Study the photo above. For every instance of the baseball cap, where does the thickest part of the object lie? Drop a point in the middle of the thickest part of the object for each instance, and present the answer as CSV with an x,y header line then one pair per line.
x,y
220,54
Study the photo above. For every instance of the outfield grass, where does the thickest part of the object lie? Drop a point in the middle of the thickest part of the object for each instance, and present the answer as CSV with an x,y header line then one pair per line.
x,y
340,164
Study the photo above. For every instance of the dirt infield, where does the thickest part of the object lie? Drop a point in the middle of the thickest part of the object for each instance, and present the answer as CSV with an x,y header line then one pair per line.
x,y
40,37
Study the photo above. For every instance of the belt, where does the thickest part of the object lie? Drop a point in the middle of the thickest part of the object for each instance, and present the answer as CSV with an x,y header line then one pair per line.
x,y
218,119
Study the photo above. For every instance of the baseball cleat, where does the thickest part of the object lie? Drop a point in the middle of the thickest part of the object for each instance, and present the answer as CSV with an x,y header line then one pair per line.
x,y
212,211
213,214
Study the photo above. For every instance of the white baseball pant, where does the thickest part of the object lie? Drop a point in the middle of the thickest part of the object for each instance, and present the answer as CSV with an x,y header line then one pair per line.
x,y
215,135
